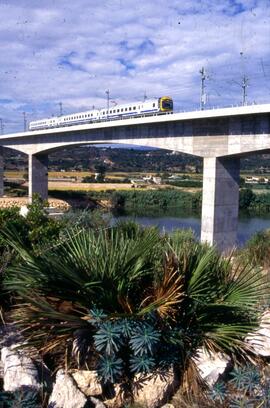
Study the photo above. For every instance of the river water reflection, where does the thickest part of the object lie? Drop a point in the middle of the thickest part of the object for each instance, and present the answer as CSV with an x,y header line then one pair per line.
x,y
247,225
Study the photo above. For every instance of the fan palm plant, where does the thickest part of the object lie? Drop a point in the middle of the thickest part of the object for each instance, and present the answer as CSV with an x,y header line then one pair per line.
x,y
130,303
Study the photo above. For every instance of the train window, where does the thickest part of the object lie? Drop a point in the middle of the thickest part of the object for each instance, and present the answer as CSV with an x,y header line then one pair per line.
x,y
134,107
125,109
118,110
110,111
154,105
114,111
122,110
130,108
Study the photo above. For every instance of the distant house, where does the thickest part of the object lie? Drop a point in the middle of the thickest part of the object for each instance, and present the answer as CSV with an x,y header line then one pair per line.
x,y
138,183
152,180
157,180
256,180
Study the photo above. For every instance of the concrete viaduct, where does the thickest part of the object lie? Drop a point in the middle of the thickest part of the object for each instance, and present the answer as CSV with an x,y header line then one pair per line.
x,y
219,136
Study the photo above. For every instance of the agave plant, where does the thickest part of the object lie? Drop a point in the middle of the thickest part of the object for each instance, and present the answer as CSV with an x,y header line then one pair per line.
x,y
248,386
21,398
133,303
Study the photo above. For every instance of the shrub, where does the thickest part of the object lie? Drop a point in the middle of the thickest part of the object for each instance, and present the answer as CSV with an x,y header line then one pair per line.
x,y
257,249
133,302
246,198
248,386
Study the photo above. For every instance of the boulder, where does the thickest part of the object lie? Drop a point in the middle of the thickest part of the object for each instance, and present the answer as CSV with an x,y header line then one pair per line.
x,y
95,403
211,365
24,210
168,406
154,390
65,393
87,381
19,370
259,341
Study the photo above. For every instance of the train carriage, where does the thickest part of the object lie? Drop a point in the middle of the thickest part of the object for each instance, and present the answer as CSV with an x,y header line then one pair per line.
x,y
160,105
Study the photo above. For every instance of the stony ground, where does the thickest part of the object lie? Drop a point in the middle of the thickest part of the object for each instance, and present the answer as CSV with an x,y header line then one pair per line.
x,y
6,202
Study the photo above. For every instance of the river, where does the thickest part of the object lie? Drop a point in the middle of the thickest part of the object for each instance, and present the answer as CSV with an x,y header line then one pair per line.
x,y
247,225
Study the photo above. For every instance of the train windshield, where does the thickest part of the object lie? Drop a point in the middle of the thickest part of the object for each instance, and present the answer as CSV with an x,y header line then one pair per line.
x,y
167,104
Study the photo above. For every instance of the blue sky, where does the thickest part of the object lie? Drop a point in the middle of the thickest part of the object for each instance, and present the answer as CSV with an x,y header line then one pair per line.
x,y
54,51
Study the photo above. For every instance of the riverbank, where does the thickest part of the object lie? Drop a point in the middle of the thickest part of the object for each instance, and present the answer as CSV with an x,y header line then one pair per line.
x,y
154,200
8,202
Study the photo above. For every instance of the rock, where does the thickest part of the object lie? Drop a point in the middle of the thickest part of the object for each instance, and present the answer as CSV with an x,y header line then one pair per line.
x,y
96,403
259,341
115,400
211,365
19,370
24,210
168,406
87,382
65,393
154,390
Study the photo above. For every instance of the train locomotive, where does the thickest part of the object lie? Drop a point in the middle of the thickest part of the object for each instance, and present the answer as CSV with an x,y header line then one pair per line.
x,y
156,106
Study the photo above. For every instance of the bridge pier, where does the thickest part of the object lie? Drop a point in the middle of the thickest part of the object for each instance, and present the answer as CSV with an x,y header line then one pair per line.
x,y
1,172
38,175
220,201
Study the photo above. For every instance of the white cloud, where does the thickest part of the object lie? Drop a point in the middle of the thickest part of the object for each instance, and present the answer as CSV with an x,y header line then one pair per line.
x,y
73,52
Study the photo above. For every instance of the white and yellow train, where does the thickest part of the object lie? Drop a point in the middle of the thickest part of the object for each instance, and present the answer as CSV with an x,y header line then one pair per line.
x,y
161,105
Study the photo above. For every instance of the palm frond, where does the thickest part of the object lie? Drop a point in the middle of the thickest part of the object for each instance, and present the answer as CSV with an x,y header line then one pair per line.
x,y
167,292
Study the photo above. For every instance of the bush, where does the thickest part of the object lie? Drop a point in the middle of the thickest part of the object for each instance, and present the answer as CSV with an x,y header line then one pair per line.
x,y
186,183
89,179
246,198
127,301
257,249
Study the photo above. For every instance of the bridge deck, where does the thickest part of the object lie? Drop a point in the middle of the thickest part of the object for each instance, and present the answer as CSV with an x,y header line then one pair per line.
x,y
164,118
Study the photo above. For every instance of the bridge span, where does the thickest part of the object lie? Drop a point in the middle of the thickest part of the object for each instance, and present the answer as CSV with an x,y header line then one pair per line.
x,y
219,136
